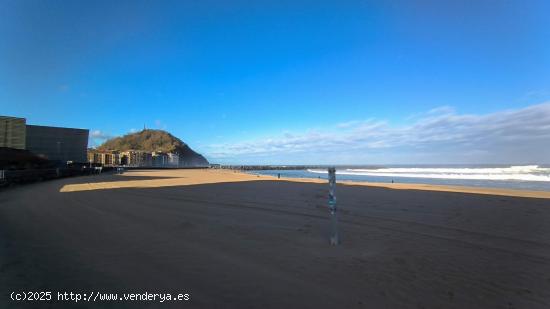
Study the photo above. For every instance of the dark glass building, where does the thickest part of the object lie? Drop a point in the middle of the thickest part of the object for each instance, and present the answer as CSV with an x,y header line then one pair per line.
x,y
58,144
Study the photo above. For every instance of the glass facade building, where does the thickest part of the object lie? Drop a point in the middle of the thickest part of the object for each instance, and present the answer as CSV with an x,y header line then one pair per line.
x,y
58,144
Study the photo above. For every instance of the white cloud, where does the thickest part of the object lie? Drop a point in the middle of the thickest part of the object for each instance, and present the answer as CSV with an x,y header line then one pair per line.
x,y
439,136
98,137
445,110
99,134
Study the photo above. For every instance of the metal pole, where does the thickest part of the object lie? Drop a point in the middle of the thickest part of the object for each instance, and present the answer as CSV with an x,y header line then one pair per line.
x,y
334,240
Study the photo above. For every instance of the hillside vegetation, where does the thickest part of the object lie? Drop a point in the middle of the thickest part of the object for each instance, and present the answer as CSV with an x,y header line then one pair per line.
x,y
154,140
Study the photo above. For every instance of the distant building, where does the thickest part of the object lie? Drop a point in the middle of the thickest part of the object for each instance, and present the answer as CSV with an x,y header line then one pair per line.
x,y
131,158
115,158
136,158
111,158
57,144
92,157
145,158
160,159
173,159
12,132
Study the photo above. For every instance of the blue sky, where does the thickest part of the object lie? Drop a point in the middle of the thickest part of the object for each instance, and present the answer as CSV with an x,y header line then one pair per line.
x,y
289,82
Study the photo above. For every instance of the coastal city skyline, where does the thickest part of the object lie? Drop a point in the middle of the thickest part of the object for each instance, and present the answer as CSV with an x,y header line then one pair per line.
x,y
364,82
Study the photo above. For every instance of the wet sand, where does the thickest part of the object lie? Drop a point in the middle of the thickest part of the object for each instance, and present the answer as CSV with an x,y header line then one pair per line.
x,y
235,240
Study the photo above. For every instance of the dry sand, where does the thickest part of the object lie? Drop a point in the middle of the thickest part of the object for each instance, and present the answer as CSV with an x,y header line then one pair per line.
x,y
235,240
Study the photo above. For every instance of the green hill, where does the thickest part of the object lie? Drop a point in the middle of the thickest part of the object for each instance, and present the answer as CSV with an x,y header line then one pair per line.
x,y
154,140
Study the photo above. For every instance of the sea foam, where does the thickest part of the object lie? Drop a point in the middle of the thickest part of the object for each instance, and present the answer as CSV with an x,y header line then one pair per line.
x,y
519,173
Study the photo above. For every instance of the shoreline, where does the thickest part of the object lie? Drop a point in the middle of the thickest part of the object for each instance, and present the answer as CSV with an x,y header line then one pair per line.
x,y
428,187
171,178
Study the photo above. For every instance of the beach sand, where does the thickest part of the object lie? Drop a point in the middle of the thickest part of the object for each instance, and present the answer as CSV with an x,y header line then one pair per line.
x,y
166,178
235,240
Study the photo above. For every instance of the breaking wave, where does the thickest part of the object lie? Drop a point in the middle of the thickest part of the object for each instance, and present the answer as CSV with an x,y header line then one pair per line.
x,y
519,173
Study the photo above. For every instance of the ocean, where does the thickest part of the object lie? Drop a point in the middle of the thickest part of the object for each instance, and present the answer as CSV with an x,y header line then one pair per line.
x,y
524,177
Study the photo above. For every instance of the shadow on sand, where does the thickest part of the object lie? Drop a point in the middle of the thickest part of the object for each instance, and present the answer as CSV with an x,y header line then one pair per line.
x,y
265,243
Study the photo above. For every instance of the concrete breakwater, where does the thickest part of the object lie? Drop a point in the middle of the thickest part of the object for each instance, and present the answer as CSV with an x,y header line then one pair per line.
x,y
285,167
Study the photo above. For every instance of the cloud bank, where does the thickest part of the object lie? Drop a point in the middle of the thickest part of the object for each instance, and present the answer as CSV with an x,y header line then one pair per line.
x,y
438,136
